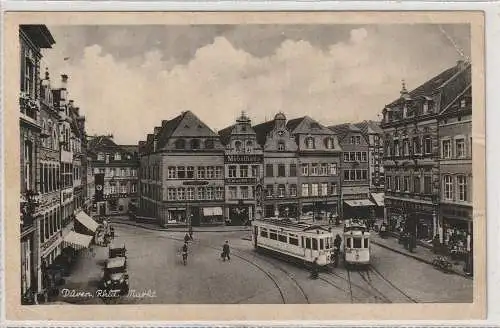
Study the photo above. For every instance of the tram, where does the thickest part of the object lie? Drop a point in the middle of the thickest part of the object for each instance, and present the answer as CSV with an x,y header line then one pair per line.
x,y
356,243
297,241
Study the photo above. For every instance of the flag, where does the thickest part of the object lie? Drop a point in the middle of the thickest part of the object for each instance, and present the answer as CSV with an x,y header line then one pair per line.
x,y
99,186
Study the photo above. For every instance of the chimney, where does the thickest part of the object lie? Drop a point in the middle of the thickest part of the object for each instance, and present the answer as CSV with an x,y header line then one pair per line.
x,y
64,81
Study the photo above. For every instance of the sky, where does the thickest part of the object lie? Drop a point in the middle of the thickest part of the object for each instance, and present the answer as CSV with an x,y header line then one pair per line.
x,y
127,79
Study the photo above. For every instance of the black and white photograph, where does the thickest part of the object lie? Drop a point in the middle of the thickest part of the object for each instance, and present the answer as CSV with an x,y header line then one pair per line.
x,y
246,163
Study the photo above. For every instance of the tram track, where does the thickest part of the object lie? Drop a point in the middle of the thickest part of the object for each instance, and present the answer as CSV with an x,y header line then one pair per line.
x,y
369,282
381,276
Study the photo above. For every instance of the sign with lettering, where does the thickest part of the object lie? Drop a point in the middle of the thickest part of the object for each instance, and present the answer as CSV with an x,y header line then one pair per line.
x,y
115,196
241,180
195,183
244,158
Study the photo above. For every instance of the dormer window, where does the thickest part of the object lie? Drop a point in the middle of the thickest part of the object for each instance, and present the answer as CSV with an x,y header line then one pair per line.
x,y
209,144
100,157
237,145
310,143
425,108
463,103
180,144
195,144
249,146
329,144
281,145
118,157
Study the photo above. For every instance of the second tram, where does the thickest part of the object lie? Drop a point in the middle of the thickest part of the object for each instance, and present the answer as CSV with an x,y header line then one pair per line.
x,y
356,243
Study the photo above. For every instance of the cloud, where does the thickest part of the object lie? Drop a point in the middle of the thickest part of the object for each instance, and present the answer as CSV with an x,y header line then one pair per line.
x,y
349,80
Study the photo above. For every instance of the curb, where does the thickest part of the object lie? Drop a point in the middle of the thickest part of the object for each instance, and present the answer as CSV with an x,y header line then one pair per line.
x,y
417,258
172,229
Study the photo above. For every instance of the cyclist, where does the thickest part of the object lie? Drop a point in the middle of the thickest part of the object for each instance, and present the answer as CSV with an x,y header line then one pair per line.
x,y
184,253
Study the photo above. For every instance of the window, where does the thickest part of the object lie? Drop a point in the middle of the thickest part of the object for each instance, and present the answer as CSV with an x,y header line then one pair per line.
x,y
364,157
190,193
333,188
353,140
195,144
388,183
237,146
416,185
352,156
314,244
249,146
308,243
181,194
462,103
201,172
427,185
281,170
364,174
210,171
209,144
273,234
255,171
180,144
427,144
209,193
357,174
28,158
263,232
269,190
448,187
358,140
281,146
218,172
406,184
244,171
269,170
305,190
416,145
314,189
329,144
396,148
118,157
282,238
201,193
460,148
293,170
406,147
232,171
446,149
323,169
310,143
305,169
293,190
397,185
181,172
293,240
324,189
314,169
425,108
462,188
100,157
281,190
190,172
219,192
133,188
346,157
332,168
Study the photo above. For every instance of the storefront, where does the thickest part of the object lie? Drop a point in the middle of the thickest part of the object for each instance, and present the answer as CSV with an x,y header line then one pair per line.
x,y
456,222
194,214
413,217
282,210
319,210
378,199
239,214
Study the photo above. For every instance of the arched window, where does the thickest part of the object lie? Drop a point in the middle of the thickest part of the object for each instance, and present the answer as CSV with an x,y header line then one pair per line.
x,y
195,144
180,144
310,143
209,144
249,146
329,143
237,145
281,145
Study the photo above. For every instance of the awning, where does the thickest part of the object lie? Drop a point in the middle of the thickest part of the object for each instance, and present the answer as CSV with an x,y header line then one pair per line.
x,y
77,240
87,221
212,211
378,197
359,202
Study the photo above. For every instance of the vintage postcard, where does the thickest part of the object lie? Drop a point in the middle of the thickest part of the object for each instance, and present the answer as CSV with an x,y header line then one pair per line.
x,y
244,165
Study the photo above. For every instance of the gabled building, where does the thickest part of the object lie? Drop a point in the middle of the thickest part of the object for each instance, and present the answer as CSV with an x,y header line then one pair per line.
x,y
182,173
354,175
118,168
243,172
280,185
318,153
411,151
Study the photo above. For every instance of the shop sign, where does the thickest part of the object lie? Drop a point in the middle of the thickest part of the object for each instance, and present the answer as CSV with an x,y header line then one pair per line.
x,y
115,196
195,183
244,158
45,246
241,180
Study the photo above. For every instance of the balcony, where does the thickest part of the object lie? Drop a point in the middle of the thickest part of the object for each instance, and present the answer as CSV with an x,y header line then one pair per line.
x,y
29,202
29,108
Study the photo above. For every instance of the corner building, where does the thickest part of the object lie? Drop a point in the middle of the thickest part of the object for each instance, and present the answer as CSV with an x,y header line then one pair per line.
x,y
182,173
243,162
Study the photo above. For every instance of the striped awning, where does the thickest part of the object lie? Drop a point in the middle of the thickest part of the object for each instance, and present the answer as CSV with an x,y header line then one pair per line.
x,y
359,202
77,240
87,221
378,197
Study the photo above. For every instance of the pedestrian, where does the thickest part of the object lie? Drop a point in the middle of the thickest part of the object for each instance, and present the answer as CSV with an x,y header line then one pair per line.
x,y
184,253
315,269
191,232
186,238
225,251
337,242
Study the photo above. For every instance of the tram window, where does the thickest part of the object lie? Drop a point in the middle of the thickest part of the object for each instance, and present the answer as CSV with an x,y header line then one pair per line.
x,y
263,232
308,243
282,238
327,243
349,242
314,244
366,242
357,242
273,234
321,244
294,241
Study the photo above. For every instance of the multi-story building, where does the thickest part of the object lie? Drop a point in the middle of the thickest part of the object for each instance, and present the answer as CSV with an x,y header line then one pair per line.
x,y
455,166
411,151
318,154
182,173
280,186
355,181
33,38
120,169
375,136
243,172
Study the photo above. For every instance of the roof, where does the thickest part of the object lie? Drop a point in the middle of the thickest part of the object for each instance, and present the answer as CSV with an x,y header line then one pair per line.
x,y
106,144
369,127
225,133
39,34
306,124
130,148
262,130
115,262
343,129
297,226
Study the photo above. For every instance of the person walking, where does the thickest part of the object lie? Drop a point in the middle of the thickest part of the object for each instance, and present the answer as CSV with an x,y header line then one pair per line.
x,y
186,238
226,251
184,253
191,232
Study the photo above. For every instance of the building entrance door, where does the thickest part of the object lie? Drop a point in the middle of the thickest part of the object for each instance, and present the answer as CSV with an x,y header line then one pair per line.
x,y
238,215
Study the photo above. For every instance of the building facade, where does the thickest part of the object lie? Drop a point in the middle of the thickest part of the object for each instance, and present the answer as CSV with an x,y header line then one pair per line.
x,y
354,173
455,167
119,166
182,173
280,182
318,154
411,152
243,172
36,200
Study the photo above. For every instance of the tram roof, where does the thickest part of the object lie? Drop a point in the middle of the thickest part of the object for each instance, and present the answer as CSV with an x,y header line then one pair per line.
x,y
287,223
